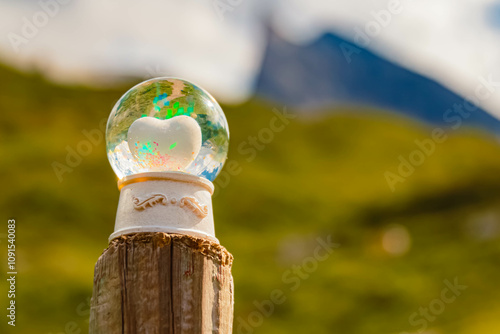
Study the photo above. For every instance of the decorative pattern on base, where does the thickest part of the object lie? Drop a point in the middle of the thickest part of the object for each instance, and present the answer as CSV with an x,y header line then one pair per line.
x,y
189,203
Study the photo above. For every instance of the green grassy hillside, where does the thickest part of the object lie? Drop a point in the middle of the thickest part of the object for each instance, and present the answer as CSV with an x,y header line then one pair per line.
x,y
308,179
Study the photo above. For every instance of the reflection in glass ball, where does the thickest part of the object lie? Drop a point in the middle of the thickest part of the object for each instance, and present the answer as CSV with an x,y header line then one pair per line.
x,y
167,124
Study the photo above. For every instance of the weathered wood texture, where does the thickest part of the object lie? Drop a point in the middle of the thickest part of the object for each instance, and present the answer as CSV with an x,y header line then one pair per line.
x,y
158,283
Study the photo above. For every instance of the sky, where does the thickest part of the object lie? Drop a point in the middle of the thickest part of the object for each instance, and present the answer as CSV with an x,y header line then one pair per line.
x,y
219,44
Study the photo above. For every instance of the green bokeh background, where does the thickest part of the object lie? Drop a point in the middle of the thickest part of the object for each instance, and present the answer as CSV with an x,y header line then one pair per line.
x,y
318,177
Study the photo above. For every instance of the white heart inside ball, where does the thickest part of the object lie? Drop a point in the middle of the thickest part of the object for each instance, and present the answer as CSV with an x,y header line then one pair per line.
x,y
165,145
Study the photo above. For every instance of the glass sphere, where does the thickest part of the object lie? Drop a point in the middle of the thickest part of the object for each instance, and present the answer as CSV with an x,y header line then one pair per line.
x,y
167,124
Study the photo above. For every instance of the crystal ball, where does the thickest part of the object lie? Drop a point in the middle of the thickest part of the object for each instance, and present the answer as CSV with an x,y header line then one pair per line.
x,y
167,125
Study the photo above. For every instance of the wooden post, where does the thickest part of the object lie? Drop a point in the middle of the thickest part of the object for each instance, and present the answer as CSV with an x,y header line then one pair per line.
x,y
158,283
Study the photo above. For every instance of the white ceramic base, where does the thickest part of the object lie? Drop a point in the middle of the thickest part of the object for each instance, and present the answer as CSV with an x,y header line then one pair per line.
x,y
165,202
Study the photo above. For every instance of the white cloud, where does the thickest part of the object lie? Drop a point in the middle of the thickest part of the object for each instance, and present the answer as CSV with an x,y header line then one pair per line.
x,y
85,39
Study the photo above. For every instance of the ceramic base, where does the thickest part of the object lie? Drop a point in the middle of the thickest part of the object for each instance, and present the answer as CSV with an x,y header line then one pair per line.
x,y
168,202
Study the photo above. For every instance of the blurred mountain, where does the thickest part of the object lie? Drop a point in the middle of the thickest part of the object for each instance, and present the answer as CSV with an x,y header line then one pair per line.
x,y
334,71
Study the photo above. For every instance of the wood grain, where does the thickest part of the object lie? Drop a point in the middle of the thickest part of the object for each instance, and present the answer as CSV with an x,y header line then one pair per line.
x,y
159,283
